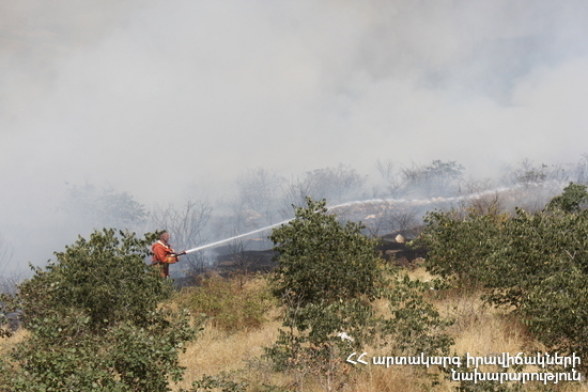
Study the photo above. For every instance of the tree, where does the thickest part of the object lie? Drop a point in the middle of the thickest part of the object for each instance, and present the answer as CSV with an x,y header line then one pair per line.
x,y
534,263
310,246
580,170
260,191
528,174
95,322
106,208
437,179
390,178
337,184
7,284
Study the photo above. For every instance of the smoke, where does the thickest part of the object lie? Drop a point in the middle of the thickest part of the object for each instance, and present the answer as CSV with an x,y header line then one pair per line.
x,y
166,99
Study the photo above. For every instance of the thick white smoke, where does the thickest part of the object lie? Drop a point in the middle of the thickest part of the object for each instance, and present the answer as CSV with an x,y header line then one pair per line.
x,y
156,97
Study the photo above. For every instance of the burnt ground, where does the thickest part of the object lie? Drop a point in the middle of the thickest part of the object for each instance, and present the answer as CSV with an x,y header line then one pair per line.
x,y
399,253
262,261
234,263
247,261
251,261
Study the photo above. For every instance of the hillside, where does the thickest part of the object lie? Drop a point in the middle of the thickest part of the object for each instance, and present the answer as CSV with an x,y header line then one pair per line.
x,y
505,311
478,329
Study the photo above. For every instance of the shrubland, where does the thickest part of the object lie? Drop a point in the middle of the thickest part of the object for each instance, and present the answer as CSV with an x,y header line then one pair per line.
x,y
493,282
329,281
535,265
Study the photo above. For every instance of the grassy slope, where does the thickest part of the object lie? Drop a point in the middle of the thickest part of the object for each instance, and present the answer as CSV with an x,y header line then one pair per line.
x,y
478,329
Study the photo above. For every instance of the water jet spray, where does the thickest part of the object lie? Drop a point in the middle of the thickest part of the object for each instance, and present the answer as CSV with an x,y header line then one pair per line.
x,y
411,202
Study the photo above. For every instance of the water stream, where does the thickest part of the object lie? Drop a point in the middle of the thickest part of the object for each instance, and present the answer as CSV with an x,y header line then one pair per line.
x,y
412,202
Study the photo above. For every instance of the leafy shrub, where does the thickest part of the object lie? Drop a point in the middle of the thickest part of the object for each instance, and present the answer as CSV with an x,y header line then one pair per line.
x,y
95,323
415,325
327,278
571,199
459,248
322,260
323,267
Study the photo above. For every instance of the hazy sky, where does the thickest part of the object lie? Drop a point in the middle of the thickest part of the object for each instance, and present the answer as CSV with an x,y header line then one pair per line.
x,y
158,97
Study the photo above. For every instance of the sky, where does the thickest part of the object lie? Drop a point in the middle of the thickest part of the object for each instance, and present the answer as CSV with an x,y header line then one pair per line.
x,y
168,98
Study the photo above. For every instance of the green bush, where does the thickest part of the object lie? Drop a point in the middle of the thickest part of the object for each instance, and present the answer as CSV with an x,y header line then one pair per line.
x,y
536,264
571,199
322,260
327,279
415,325
458,248
95,322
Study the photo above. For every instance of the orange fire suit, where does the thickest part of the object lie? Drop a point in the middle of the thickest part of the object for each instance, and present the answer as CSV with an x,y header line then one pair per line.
x,y
163,256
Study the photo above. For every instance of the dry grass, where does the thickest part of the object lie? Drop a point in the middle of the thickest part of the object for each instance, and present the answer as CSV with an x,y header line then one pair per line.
x,y
215,351
478,329
6,344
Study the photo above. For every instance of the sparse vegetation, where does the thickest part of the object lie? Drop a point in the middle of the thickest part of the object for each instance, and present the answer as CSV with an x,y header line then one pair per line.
x,y
229,304
507,283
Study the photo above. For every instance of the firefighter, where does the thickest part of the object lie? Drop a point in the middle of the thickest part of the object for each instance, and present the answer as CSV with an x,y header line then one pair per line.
x,y
163,254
